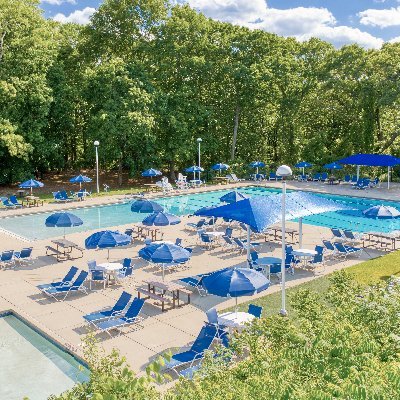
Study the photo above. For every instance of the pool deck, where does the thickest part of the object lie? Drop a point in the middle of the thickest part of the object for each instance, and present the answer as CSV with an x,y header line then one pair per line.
x,y
160,331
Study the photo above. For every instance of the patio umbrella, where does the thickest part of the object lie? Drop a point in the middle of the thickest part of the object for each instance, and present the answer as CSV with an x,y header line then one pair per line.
x,y
107,240
233,197
303,164
161,219
220,167
257,164
333,165
164,253
151,172
30,184
80,179
194,169
64,220
146,206
382,212
235,282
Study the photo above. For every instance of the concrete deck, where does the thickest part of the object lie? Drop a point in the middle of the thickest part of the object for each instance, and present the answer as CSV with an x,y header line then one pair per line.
x,y
160,331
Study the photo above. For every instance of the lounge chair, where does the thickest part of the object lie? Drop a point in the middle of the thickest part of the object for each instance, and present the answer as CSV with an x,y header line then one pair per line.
x,y
272,176
347,179
302,178
337,235
317,260
242,244
196,225
316,177
196,282
8,204
233,178
375,183
25,255
228,243
203,342
206,240
119,306
361,185
352,237
7,258
330,250
62,197
129,318
76,286
66,281
324,176
354,179
345,251
14,200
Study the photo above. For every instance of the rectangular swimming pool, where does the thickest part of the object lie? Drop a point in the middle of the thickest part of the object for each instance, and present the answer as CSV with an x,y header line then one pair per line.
x,y
32,365
32,226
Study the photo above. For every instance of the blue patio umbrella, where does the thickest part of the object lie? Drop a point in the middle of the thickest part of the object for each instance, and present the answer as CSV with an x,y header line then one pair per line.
x,y
151,172
303,164
220,167
257,164
63,220
164,253
382,212
107,240
30,184
333,165
235,282
233,197
80,179
161,219
146,206
194,169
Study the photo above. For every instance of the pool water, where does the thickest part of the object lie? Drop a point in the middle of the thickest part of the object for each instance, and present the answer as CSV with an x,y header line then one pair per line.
x,y
32,366
32,226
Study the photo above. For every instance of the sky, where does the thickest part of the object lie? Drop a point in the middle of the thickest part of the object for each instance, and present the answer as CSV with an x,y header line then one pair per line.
x,y
369,23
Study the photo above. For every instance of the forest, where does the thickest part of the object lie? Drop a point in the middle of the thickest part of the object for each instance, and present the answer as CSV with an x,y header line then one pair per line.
x,y
146,78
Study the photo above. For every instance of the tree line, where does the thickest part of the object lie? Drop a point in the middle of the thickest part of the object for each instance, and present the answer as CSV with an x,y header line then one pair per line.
x,y
146,78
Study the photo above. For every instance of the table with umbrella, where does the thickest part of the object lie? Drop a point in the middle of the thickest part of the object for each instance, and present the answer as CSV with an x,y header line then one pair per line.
x,y
235,282
151,172
333,167
80,179
257,165
166,255
107,240
303,165
30,184
193,169
220,167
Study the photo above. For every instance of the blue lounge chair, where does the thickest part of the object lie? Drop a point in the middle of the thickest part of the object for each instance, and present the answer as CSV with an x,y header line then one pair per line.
x,y
66,281
77,286
330,250
8,204
203,342
242,244
375,183
195,282
132,316
352,237
7,258
316,261
119,306
272,176
316,177
62,196
354,179
337,235
361,185
347,179
302,178
345,251
206,240
14,200
196,225
324,176
25,255
255,310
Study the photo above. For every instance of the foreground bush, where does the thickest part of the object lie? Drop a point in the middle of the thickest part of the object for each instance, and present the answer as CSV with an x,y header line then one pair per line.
x,y
344,345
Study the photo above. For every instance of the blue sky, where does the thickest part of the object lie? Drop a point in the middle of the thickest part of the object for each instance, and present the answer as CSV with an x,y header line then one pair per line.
x,y
369,23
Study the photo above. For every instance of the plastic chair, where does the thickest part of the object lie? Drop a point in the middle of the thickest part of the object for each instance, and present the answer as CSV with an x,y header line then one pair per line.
x,y
255,310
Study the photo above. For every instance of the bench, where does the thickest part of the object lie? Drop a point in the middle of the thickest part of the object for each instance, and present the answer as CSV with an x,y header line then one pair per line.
x,y
54,252
154,296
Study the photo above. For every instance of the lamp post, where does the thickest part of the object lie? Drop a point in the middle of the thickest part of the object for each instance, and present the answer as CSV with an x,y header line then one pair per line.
x,y
96,145
199,140
283,171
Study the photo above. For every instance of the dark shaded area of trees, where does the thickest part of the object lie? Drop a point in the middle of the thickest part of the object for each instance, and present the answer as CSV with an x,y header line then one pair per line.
x,y
146,79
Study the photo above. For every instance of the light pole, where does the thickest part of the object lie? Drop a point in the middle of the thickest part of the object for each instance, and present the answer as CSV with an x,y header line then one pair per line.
x,y
96,145
199,140
283,171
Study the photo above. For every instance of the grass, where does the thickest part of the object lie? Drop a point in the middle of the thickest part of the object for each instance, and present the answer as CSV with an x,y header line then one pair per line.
x,y
366,273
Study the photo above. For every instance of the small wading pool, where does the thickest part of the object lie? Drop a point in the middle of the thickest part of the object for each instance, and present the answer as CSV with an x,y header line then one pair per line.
x,y
33,366
32,226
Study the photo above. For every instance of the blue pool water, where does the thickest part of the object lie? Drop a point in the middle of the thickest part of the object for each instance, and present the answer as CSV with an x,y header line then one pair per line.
x,y
32,226
33,366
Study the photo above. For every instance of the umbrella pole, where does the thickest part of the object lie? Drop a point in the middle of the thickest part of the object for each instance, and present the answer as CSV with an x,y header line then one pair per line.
x,y
388,178
300,233
64,232
108,254
283,311
163,272
236,307
80,185
248,246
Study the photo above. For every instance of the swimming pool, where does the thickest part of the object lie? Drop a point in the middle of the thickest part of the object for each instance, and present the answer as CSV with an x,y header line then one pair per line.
x,y
98,217
33,366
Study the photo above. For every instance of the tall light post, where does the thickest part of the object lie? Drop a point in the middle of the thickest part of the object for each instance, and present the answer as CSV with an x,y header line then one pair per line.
x,y
199,140
283,171
96,145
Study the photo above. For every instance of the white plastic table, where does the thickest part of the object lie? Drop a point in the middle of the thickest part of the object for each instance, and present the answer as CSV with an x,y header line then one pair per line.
x,y
234,319
304,254
111,269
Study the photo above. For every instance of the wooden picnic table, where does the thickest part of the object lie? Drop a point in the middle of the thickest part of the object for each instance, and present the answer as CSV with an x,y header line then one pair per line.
x,y
63,249
164,292
277,234
151,187
147,232
384,241
32,201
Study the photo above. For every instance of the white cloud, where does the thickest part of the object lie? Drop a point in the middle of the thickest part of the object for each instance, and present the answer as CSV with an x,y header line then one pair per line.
x,y
395,40
78,16
300,22
381,18
58,2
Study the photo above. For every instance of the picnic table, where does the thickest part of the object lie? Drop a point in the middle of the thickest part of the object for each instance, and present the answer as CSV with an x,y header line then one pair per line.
x,y
164,292
276,233
144,231
32,201
384,241
221,179
63,249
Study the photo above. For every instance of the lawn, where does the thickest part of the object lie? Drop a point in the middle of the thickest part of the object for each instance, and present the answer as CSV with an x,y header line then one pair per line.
x,y
366,273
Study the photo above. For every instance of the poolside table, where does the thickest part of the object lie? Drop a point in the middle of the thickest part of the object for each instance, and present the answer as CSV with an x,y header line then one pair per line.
x,y
111,270
304,254
235,320
32,201
266,262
